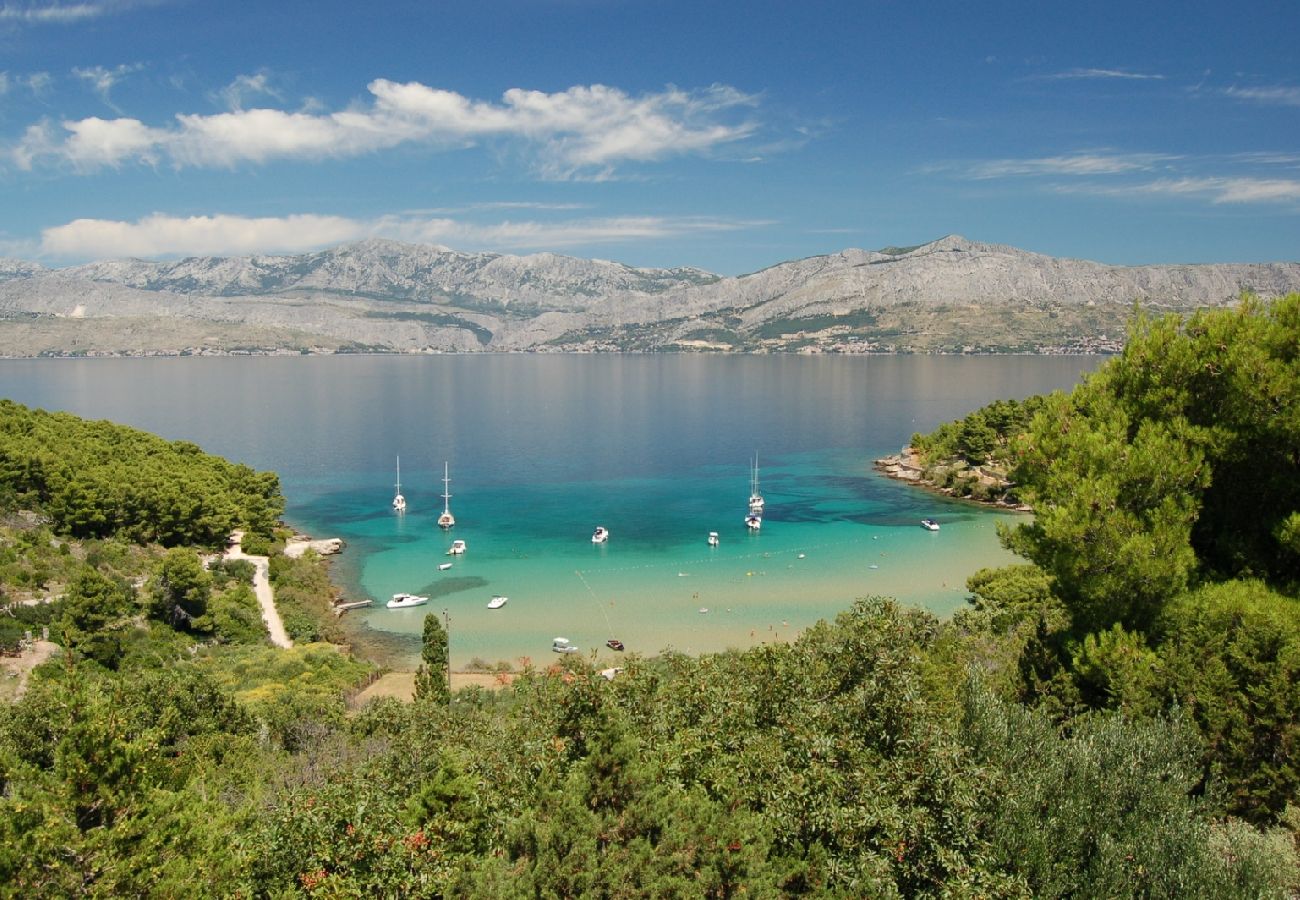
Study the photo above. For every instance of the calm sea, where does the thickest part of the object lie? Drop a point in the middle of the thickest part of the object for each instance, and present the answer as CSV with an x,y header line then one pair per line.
x,y
543,448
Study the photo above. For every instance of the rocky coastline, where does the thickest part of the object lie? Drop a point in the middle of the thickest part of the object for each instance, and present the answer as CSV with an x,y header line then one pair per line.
x,y
985,485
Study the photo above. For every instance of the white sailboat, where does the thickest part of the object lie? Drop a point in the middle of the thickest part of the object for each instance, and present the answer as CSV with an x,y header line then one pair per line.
x,y
446,520
399,502
755,495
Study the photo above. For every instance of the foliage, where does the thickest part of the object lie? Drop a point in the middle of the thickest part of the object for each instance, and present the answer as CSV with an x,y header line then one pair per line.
x,y
431,678
1230,655
302,595
1109,811
1176,461
93,611
982,436
97,479
180,588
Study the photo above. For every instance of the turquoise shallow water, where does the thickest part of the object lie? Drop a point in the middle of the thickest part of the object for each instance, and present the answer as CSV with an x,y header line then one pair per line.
x,y
544,448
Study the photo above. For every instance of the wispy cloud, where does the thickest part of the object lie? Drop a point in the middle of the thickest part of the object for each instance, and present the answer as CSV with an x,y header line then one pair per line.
x,y
583,131
1075,164
1277,95
234,94
1122,74
102,80
58,13
1227,190
161,235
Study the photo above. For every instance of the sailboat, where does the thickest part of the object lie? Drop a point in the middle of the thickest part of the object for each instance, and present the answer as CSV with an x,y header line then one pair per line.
x,y
755,496
399,502
446,520
754,517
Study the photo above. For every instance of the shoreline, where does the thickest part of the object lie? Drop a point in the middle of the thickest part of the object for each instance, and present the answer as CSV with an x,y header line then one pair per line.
x,y
906,466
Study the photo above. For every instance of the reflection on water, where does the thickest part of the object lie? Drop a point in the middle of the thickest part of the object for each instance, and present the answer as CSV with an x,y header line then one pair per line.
x,y
542,448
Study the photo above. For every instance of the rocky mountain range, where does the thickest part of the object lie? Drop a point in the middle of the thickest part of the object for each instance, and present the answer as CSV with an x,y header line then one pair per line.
x,y
950,295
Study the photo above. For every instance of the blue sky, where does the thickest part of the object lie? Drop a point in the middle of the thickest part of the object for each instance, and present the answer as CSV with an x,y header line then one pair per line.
x,y
724,135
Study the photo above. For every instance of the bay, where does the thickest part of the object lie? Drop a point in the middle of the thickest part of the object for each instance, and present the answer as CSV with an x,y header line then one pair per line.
x,y
542,448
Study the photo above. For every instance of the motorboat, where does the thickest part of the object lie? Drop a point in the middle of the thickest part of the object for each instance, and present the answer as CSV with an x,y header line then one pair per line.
x,y
600,535
713,539
497,602
442,567
929,524
614,644
399,502
457,548
446,520
753,521
403,600
563,645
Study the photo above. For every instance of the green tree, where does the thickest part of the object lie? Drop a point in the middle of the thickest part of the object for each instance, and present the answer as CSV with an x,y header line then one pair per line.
x,y
431,678
181,588
93,609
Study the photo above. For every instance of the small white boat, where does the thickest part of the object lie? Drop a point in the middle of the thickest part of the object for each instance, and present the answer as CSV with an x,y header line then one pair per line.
x,y
713,539
929,524
497,602
446,520
600,535
399,502
753,522
403,600
457,548
563,645
442,567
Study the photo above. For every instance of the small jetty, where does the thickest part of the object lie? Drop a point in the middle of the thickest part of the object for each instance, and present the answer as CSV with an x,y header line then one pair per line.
x,y
341,608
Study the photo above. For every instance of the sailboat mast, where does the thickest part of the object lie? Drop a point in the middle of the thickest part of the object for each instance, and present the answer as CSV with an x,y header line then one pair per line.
x,y
446,493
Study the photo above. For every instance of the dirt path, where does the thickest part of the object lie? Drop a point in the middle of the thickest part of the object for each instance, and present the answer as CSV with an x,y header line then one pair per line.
x,y
262,588
21,666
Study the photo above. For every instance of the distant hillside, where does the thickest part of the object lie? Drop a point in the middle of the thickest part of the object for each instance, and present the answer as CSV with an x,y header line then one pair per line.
x,y
951,295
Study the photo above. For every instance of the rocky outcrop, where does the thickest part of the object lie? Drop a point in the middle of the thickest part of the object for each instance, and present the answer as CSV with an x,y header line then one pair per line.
x,y
951,295
955,477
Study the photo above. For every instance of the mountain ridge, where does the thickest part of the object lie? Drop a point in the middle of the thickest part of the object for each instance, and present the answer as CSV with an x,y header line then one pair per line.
x,y
948,295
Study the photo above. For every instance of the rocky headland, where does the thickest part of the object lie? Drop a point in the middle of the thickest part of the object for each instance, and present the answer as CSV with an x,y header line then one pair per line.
x,y
955,477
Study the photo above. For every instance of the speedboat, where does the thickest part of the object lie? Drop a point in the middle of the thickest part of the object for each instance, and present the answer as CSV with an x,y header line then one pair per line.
x,y
402,600
614,644
442,567
446,520
754,521
929,524
600,535
713,539
457,548
497,602
563,645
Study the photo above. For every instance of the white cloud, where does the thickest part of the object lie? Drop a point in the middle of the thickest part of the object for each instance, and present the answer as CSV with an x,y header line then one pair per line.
x,y
37,82
1228,190
1078,164
160,235
102,80
1273,96
244,86
52,13
579,131
1122,74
